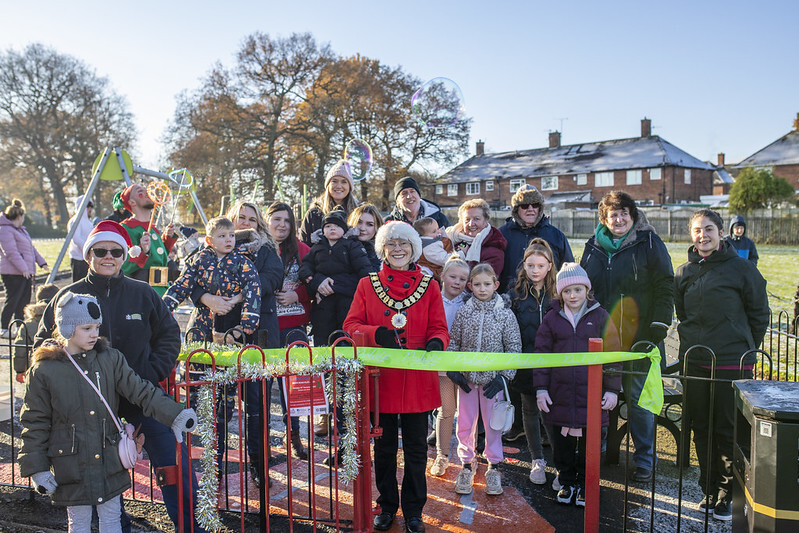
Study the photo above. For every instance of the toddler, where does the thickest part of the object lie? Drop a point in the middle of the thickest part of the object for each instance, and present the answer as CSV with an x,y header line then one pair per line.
x,y
436,247
483,324
561,392
69,437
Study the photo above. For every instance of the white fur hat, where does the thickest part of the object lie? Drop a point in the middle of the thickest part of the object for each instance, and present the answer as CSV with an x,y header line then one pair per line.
x,y
398,230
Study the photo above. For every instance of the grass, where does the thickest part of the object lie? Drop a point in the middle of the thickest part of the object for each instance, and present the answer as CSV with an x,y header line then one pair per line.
x,y
49,249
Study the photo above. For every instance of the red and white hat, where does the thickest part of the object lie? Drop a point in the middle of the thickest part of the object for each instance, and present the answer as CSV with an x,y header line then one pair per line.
x,y
108,230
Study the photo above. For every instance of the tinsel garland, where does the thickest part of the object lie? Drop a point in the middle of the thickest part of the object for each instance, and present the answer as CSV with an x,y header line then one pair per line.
x,y
347,395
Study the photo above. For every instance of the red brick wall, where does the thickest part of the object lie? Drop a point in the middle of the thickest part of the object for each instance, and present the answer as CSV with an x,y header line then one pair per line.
x,y
672,182
790,173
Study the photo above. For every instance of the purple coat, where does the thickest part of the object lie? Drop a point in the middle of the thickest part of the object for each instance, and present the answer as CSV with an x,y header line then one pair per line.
x,y
17,254
568,385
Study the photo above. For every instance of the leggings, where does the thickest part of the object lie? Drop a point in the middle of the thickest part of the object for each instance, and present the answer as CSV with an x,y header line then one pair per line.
x,y
79,517
446,415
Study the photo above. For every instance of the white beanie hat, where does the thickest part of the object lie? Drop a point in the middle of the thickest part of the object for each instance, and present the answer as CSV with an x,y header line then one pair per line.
x,y
397,230
341,168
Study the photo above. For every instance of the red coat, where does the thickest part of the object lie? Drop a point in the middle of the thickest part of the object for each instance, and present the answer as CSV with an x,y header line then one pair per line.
x,y
402,391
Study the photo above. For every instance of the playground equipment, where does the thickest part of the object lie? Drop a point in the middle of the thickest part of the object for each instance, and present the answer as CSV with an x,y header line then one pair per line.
x,y
114,164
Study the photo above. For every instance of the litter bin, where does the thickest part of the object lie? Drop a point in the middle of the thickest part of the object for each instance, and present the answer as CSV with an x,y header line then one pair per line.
x,y
765,464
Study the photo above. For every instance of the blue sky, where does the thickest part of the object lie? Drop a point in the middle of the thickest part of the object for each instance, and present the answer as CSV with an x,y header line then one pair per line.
x,y
712,76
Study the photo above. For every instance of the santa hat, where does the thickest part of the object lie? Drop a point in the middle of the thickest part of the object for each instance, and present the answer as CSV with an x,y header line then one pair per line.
x,y
125,196
108,230
398,230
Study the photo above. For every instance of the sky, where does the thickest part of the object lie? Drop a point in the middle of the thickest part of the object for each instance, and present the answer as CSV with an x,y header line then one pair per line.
x,y
712,76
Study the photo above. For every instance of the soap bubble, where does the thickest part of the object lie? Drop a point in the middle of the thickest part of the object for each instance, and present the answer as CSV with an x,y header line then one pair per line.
x,y
438,103
358,154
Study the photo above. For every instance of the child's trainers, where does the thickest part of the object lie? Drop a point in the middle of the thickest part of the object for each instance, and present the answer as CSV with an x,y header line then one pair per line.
x,y
723,510
556,486
464,481
538,474
566,494
493,482
440,466
708,502
579,500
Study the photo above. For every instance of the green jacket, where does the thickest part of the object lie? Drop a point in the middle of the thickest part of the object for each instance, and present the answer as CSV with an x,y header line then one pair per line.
x,y
66,427
725,309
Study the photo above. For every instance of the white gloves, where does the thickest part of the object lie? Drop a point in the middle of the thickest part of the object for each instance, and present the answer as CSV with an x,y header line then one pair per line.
x,y
44,482
609,401
185,421
543,400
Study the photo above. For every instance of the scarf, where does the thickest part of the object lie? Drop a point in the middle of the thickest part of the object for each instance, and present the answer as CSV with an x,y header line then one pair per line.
x,y
607,241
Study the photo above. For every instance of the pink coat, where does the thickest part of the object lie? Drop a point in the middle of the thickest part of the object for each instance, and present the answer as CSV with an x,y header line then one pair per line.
x,y
17,254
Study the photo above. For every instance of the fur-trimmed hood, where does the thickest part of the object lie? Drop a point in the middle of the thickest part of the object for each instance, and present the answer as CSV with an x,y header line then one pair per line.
x,y
250,241
53,350
35,311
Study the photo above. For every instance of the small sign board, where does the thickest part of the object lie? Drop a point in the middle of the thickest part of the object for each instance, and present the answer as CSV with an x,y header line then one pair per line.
x,y
297,394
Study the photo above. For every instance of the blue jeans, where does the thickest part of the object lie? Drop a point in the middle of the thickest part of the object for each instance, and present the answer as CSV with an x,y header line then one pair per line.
x,y
159,441
640,421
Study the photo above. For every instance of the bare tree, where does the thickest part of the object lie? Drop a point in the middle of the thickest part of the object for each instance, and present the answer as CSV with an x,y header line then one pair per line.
x,y
56,116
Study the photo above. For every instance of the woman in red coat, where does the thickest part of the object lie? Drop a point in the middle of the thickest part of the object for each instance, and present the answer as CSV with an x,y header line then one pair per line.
x,y
399,307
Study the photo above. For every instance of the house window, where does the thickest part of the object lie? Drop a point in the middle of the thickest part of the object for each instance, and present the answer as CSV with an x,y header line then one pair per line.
x,y
654,174
516,184
549,183
439,189
582,179
687,173
452,189
473,188
633,177
489,186
603,179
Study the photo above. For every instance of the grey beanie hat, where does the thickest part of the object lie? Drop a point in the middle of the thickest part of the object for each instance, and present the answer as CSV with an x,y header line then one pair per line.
x,y
74,310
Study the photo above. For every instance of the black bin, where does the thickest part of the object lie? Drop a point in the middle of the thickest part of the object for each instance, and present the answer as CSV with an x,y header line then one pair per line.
x,y
766,457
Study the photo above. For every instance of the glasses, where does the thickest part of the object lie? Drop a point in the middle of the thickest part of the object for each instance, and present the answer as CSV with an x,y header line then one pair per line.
x,y
116,253
398,244
528,206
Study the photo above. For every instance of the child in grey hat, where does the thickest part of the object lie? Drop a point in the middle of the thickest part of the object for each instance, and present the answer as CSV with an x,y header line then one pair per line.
x,y
69,437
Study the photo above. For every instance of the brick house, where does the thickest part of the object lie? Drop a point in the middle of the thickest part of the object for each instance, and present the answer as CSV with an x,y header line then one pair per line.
x,y
649,168
781,156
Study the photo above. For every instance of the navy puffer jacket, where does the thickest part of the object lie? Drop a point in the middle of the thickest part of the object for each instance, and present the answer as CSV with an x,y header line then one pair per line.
x,y
529,313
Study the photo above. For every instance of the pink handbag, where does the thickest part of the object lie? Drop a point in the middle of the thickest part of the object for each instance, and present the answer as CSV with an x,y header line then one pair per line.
x,y
130,442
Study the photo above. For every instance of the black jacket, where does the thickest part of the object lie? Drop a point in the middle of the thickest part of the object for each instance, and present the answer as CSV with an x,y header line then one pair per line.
x,y
725,309
135,321
743,245
345,263
529,313
371,253
635,285
519,238
426,209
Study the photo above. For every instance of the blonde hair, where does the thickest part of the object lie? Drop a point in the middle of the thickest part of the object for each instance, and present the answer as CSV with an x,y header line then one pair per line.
x,y
483,268
217,223
261,226
15,210
369,209
453,262
523,285
474,203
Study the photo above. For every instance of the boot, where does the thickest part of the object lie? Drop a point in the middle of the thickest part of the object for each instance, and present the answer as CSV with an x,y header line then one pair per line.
x,y
255,470
321,425
296,446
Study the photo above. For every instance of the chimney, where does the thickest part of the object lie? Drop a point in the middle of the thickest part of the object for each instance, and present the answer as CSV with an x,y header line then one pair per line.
x,y
646,127
554,139
796,123
720,161
480,147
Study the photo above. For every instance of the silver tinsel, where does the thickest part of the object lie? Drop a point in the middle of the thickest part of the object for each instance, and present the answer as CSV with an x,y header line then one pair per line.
x,y
348,396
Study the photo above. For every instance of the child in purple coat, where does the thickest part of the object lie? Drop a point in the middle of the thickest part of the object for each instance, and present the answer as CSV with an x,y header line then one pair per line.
x,y
562,392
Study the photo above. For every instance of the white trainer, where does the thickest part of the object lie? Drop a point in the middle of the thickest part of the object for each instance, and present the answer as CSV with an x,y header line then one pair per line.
x,y
538,474
464,481
440,466
493,482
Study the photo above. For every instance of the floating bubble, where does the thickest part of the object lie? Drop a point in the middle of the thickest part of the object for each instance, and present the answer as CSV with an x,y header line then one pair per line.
x,y
181,177
438,103
358,154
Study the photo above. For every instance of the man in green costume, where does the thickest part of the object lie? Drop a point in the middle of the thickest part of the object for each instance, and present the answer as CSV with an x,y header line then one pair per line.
x,y
149,265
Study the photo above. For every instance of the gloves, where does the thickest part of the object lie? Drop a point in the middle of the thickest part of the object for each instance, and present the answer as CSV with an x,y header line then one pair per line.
x,y
44,482
657,332
459,380
543,400
185,421
494,386
386,338
434,345
609,401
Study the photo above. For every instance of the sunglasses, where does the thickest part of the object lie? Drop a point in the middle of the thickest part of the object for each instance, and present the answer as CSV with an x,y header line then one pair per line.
x,y
528,206
116,253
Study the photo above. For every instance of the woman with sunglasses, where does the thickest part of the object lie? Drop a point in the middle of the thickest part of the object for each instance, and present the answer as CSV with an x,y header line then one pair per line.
x,y
528,221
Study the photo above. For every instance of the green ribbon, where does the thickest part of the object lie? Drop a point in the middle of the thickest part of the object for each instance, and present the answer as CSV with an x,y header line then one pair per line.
x,y
651,397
